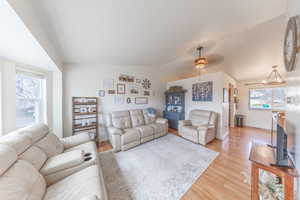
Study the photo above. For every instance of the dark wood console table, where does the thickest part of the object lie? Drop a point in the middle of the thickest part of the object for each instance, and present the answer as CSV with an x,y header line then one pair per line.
x,y
262,156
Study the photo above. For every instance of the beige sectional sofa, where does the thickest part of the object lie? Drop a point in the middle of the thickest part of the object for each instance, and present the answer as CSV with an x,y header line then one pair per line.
x,y
200,128
130,128
35,164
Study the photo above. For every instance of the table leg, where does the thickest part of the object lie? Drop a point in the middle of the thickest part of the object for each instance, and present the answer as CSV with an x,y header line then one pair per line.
x,y
254,182
288,182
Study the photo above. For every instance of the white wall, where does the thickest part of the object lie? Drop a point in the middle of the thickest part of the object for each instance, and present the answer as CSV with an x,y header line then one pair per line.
x,y
8,95
85,80
253,118
33,22
220,81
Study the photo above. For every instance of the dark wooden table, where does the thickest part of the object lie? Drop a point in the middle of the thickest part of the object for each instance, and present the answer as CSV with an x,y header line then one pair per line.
x,y
262,157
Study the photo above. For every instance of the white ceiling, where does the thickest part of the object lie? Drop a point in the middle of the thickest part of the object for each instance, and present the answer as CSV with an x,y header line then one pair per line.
x,y
17,43
161,32
245,55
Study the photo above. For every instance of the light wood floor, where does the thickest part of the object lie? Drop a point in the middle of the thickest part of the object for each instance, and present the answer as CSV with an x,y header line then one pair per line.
x,y
224,179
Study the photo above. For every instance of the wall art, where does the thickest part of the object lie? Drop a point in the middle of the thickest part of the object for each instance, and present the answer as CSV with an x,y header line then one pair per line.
x,y
101,93
146,84
119,99
202,91
133,89
111,92
121,88
126,78
141,100
146,93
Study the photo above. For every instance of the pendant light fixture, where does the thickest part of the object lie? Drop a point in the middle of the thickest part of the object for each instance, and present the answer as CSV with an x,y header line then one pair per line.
x,y
274,78
200,62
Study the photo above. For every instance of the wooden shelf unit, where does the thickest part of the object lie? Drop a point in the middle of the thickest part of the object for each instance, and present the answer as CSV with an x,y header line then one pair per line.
x,y
89,119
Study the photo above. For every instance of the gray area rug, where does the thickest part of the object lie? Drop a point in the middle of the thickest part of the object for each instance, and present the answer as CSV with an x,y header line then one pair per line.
x,y
163,169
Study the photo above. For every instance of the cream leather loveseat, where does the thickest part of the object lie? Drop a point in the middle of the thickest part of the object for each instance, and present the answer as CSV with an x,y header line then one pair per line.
x,y
130,128
200,128
36,165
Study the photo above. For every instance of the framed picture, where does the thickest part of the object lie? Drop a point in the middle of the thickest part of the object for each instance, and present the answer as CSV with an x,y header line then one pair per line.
x,y
146,93
141,100
111,92
202,91
101,93
133,89
126,78
120,88
119,100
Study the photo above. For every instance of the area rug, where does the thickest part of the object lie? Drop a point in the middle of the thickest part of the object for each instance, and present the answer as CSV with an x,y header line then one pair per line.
x,y
162,169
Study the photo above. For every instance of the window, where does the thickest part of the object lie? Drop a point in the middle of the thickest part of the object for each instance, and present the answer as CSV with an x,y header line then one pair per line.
x,y
30,104
267,99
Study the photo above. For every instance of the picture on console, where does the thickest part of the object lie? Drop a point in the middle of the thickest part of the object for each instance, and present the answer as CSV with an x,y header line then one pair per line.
x,y
202,91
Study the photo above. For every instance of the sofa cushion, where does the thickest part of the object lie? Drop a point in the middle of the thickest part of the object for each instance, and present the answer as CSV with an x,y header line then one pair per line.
x,y
35,132
121,119
75,140
130,135
158,128
145,131
18,142
63,161
190,133
148,119
51,145
22,181
76,186
35,156
86,147
7,157
137,118
200,117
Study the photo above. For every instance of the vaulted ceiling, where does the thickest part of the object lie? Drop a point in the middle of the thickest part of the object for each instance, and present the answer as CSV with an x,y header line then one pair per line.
x,y
164,33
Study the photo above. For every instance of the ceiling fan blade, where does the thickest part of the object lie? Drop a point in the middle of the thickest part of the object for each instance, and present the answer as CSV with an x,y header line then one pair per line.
x,y
250,84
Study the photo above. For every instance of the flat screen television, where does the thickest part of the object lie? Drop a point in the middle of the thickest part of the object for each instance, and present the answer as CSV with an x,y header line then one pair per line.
x,y
284,148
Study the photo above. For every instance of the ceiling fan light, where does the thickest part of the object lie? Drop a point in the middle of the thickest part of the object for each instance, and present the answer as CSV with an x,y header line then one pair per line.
x,y
201,62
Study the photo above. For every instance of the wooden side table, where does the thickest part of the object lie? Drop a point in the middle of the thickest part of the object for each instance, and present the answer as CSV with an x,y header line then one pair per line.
x,y
262,156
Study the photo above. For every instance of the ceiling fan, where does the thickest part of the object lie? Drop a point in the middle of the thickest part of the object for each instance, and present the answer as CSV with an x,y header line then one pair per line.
x,y
273,79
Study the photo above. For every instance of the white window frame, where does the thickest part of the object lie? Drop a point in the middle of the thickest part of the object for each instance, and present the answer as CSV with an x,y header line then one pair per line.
x,y
266,109
42,107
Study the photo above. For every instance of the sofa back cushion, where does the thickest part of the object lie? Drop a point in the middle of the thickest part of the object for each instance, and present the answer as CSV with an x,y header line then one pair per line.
x,y
35,132
137,118
22,182
200,117
35,156
50,144
121,119
148,118
7,157
17,141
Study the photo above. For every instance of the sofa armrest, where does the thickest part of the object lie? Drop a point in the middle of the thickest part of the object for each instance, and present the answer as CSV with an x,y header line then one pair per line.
x,y
114,131
185,123
75,140
161,121
91,197
63,161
